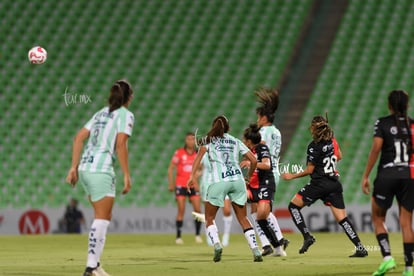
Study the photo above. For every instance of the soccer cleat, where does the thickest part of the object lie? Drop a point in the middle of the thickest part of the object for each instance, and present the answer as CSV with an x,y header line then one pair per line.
x,y
284,242
99,271
199,217
279,252
89,271
359,254
384,267
198,239
306,244
257,255
226,239
407,273
179,241
267,250
217,253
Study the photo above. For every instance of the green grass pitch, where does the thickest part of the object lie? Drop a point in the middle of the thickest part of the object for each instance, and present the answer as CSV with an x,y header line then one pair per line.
x,y
145,254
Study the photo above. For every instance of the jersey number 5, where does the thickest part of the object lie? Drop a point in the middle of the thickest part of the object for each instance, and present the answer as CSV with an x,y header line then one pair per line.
x,y
329,165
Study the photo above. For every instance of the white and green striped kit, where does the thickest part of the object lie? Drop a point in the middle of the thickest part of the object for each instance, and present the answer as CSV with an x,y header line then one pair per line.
x,y
273,139
99,152
224,158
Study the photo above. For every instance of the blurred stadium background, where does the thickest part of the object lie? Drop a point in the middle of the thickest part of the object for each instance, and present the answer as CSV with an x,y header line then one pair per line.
x,y
189,61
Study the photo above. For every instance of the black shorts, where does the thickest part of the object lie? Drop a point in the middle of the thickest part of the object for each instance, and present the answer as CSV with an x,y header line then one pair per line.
x,y
260,194
329,191
183,192
385,188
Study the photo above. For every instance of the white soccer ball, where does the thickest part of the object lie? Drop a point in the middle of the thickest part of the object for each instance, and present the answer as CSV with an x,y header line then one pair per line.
x,y
37,55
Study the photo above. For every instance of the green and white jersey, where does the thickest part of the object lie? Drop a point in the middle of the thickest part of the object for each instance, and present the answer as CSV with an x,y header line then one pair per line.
x,y
206,170
224,157
273,139
99,152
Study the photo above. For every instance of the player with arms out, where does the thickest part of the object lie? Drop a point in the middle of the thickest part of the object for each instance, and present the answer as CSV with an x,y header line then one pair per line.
x,y
107,133
393,138
261,187
225,178
182,163
269,102
323,154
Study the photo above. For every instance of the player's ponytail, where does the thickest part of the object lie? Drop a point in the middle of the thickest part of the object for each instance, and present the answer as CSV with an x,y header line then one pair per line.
x,y
398,103
252,133
219,127
321,131
269,102
119,95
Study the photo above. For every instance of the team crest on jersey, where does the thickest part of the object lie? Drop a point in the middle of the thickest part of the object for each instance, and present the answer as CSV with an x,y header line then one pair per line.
x,y
393,130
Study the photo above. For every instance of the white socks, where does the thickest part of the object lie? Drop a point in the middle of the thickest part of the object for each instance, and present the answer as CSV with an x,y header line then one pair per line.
x,y
227,224
212,234
96,241
274,225
251,238
262,236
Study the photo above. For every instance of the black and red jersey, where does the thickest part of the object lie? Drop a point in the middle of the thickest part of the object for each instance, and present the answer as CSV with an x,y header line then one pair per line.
x,y
262,177
324,156
395,152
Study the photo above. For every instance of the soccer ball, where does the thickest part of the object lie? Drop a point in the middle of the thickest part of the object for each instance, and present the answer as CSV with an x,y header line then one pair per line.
x,y
37,55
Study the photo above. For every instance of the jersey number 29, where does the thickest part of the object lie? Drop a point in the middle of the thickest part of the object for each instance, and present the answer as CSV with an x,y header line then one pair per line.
x,y
329,165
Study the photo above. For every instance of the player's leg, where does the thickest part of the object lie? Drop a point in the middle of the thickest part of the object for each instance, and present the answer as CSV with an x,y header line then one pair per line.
x,y
266,247
382,198
335,200
196,202
253,198
227,221
263,210
180,198
406,205
238,197
241,215
406,222
346,224
295,205
378,219
101,192
215,200
274,224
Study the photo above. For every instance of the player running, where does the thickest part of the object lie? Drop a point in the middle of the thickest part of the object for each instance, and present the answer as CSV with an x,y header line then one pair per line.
x,y
182,163
227,217
107,133
261,188
323,154
393,138
269,100
225,178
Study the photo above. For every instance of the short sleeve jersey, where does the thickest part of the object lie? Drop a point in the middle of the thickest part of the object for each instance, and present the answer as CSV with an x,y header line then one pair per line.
x,y
394,152
99,153
273,139
184,162
224,157
262,177
324,157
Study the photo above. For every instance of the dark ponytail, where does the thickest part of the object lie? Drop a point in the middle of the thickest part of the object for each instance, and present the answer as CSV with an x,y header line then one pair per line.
x,y
119,95
252,133
398,103
219,127
269,102
321,131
